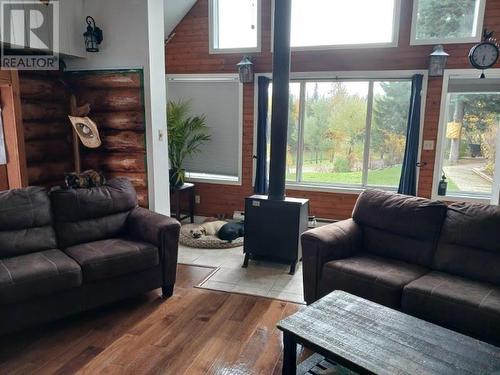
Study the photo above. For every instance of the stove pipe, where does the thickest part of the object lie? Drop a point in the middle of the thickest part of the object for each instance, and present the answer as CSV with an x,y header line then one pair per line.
x,y
280,101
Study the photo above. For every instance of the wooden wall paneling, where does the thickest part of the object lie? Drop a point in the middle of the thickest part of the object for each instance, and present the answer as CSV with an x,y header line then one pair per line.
x,y
45,104
4,181
13,131
188,53
117,107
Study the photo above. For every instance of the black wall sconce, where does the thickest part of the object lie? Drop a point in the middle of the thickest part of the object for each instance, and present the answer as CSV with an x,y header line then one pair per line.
x,y
93,36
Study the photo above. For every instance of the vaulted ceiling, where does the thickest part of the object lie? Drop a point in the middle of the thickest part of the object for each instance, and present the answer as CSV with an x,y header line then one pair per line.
x,y
175,10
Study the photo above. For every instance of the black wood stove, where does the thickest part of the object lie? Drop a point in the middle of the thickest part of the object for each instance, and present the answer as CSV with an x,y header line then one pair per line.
x,y
274,223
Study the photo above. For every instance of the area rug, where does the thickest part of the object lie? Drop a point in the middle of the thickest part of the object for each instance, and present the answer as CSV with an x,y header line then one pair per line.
x,y
205,242
263,279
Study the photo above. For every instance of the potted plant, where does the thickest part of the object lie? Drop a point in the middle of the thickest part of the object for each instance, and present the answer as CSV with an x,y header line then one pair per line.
x,y
186,134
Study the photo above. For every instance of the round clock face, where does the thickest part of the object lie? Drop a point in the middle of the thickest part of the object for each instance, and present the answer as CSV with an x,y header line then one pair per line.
x,y
484,55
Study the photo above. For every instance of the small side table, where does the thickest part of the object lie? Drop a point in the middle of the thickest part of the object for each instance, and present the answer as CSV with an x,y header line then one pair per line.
x,y
177,192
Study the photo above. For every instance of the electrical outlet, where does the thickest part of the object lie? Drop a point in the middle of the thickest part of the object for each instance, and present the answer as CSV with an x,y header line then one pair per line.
x,y
197,199
428,145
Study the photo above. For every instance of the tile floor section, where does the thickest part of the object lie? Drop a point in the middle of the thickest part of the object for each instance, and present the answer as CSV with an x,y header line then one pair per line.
x,y
260,278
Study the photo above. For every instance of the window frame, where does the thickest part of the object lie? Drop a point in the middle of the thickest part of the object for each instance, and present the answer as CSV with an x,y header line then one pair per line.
x,y
440,144
212,29
393,44
211,178
479,22
372,76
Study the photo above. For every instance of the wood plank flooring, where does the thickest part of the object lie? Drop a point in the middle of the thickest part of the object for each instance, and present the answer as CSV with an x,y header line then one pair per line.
x,y
196,331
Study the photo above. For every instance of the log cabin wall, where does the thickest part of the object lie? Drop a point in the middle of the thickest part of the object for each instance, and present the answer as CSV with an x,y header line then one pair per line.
x,y
117,107
47,131
188,53
13,173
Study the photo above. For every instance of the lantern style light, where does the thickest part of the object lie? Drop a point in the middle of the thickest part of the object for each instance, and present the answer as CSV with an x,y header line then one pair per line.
x,y
245,68
93,36
438,60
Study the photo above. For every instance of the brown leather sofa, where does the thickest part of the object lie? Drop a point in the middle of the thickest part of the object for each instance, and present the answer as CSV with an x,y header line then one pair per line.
x,y
437,262
79,249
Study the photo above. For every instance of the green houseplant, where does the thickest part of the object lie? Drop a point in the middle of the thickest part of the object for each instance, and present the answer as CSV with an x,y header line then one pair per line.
x,y
186,134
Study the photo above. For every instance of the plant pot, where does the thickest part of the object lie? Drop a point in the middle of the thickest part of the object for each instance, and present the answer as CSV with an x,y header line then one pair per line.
x,y
176,177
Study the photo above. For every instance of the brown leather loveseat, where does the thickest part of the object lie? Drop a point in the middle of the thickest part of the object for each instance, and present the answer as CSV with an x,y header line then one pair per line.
x,y
437,262
79,249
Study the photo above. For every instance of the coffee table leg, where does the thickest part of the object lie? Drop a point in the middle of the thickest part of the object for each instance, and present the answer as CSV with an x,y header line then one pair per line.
x,y
289,354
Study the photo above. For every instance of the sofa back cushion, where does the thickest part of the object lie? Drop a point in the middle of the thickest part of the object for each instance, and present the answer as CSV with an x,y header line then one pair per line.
x,y
25,222
470,242
399,227
85,215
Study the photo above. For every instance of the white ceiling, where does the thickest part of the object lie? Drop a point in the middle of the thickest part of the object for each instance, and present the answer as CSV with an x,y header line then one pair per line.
x,y
175,10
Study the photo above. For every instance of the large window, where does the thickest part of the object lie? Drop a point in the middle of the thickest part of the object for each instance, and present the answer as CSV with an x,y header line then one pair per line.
x,y
447,21
347,133
469,138
234,26
322,24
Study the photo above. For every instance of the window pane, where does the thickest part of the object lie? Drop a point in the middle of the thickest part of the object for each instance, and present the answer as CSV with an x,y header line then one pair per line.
x,y
438,19
236,24
293,129
327,22
388,136
470,142
334,132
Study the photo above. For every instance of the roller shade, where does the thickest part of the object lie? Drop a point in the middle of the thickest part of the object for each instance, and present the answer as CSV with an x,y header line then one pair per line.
x,y
458,85
220,101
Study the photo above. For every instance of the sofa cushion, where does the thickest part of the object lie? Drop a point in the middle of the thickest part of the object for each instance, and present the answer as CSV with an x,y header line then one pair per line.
x,y
37,274
25,222
375,278
470,242
464,305
84,215
113,257
398,226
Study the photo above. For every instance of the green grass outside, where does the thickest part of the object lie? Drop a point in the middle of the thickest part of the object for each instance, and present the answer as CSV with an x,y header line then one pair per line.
x,y
382,177
452,186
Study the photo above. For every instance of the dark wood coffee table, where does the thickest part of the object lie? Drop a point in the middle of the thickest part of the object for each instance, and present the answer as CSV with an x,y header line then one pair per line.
x,y
369,338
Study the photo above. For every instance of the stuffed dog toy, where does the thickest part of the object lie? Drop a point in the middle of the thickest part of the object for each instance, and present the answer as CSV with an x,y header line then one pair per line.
x,y
231,231
210,228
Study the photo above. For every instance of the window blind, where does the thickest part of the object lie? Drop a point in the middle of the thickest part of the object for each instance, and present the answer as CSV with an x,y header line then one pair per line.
x,y
220,102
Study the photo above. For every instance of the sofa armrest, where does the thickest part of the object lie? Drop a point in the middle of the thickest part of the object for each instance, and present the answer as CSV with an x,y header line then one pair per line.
x,y
321,245
163,232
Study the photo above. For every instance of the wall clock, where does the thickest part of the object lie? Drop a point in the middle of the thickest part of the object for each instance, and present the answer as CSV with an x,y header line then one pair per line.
x,y
485,54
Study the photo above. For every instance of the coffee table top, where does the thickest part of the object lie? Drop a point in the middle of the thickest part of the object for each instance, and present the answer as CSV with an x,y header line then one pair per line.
x,y
369,337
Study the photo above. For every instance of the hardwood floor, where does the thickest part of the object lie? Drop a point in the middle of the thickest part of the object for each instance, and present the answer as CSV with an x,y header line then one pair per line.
x,y
196,331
